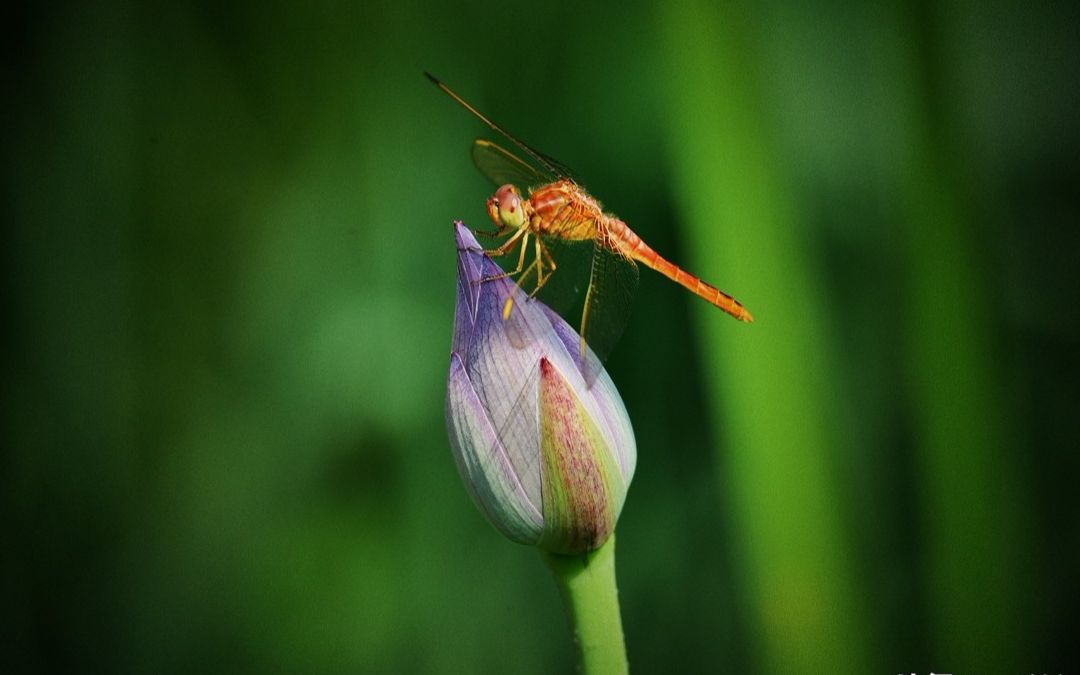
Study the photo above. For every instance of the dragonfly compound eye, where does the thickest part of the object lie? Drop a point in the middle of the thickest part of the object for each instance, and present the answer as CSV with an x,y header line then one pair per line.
x,y
507,200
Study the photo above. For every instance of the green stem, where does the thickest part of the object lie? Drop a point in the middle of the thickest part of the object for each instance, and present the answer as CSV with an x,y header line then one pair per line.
x,y
587,587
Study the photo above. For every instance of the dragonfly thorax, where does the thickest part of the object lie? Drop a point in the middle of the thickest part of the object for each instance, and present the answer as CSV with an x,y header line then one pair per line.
x,y
506,208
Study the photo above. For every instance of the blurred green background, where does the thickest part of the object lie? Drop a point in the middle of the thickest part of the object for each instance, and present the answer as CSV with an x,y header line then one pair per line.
x,y
229,283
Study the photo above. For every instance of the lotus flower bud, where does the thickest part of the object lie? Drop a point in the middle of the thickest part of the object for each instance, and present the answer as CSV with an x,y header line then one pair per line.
x,y
546,453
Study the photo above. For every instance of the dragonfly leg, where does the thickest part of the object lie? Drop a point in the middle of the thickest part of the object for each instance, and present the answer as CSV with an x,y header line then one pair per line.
x,y
491,234
521,279
507,245
524,235
550,260
541,253
537,263
525,275
539,268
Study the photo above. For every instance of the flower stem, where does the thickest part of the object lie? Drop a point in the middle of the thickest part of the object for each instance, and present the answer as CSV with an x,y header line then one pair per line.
x,y
587,587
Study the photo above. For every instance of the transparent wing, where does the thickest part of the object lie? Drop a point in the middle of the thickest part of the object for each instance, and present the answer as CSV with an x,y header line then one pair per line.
x,y
501,166
613,280
550,164
592,287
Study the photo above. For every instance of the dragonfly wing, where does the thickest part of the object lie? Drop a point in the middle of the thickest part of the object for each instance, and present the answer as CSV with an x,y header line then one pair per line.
x,y
592,287
565,289
501,166
554,166
612,282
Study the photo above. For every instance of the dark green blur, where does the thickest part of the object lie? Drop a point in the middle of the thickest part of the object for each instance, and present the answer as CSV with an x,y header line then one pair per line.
x,y
229,285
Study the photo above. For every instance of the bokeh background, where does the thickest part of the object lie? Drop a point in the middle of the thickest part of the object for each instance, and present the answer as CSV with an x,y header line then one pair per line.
x,y
229,283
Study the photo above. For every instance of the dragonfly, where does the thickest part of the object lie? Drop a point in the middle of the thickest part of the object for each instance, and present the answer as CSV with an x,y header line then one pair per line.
x,y
558,213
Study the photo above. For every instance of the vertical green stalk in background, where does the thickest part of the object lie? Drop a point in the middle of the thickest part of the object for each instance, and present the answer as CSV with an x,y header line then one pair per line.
x,y
971,512
770,381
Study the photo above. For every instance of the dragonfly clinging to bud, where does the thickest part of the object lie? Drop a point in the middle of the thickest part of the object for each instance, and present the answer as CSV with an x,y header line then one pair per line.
x,y
558,211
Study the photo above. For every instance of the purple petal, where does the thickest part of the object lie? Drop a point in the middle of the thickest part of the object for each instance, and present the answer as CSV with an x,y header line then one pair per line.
x,y
495,378
488,474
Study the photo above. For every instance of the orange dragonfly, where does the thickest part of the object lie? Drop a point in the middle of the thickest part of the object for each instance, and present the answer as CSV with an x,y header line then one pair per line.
x,y
558,212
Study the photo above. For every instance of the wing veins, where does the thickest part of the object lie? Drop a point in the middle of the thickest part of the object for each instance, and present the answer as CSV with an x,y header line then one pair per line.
x,y
556,167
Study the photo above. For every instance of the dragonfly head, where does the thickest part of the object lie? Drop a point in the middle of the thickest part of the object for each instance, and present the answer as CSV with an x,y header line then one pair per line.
x,y
506,208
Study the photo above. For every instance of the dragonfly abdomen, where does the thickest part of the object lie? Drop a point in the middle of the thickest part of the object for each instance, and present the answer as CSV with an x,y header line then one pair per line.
x,y
634,247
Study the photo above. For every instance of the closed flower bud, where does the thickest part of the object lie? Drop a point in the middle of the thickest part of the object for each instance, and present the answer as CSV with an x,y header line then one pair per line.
x,y
546,453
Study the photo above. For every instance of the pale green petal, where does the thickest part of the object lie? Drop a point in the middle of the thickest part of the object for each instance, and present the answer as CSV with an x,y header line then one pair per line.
x,y
583,487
